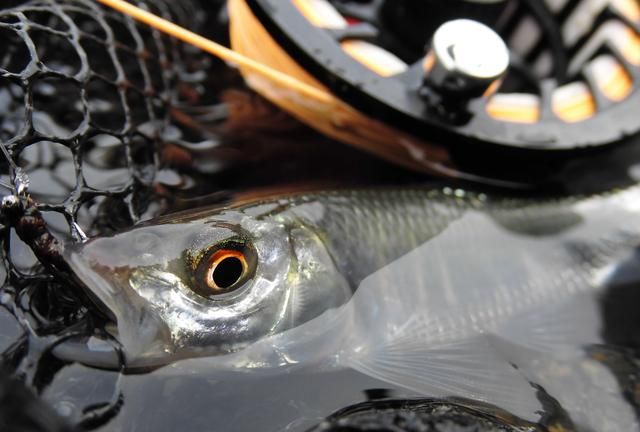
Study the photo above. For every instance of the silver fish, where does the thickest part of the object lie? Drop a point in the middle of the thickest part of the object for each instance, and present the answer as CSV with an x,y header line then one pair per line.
x,y
444,293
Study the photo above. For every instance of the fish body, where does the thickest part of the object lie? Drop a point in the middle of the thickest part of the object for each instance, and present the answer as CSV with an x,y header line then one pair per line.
x,y
312,253
444,293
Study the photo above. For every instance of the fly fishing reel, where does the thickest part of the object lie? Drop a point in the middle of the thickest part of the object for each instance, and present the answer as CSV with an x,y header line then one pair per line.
x,y
503,89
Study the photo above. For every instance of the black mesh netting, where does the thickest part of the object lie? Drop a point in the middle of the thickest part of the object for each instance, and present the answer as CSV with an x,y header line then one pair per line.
x,y
86,97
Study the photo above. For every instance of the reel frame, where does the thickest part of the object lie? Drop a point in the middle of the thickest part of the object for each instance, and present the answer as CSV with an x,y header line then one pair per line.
x,y
524,151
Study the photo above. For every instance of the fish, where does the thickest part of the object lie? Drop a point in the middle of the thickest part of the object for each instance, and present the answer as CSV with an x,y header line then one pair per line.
x,y
440,291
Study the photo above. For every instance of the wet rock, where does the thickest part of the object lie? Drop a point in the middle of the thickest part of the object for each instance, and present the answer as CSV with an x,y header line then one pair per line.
x,y
419,416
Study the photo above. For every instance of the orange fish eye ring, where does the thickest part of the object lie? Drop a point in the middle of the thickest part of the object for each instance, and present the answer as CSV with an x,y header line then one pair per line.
x,y
225,268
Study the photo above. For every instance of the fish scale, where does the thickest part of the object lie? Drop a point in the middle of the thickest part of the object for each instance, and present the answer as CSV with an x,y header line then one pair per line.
x,y
366,230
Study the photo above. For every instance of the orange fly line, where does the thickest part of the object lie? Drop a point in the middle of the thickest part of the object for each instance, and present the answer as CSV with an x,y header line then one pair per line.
x,y
217,50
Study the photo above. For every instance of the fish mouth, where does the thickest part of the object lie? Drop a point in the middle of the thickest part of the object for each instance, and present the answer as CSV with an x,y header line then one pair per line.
x,y
99,291
141,332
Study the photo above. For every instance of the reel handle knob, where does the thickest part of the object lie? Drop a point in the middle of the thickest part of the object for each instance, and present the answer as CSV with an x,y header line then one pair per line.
x,y
467,59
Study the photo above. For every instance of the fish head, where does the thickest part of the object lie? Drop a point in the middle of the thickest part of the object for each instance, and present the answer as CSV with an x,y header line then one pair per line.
x,y
206,286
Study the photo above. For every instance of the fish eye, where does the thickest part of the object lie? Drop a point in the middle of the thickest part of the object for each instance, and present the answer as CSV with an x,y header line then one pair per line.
x,y
224,268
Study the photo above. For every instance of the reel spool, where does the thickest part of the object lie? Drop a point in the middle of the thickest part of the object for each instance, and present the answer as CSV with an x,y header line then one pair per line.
x,y
431,85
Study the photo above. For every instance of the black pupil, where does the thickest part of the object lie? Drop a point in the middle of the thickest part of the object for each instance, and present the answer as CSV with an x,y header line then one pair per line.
x,y
227,272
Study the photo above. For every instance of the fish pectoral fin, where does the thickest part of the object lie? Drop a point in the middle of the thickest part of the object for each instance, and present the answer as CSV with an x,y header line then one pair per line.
x,y
560,330
471,369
